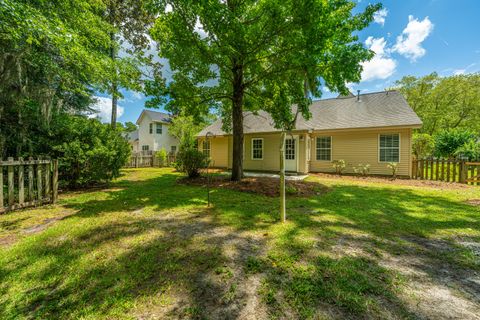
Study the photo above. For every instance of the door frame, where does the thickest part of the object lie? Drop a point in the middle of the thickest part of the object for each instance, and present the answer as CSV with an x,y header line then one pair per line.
x,y
295,137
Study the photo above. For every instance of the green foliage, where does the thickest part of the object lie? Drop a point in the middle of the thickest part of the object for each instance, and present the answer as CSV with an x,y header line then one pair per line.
x,y
363,169
393,166
185,129
470,150
444,102
256,55
447,142
89,152
161,155
423,145
339,165
190,161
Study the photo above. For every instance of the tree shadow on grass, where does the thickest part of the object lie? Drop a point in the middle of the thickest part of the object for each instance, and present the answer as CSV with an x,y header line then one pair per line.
x,y
160,253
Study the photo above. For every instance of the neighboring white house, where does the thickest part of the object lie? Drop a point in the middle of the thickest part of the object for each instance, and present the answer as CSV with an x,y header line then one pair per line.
x,y
132,138
153,133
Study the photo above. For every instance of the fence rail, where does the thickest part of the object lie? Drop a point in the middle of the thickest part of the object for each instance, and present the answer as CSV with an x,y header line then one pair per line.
x,y
449,170
148,159
27,183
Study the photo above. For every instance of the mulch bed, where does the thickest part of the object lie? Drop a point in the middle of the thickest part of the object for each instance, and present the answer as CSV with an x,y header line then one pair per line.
x,y
259,185
399,181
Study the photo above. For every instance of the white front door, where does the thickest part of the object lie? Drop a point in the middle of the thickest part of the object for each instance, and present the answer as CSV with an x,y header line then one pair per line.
x,y
291,147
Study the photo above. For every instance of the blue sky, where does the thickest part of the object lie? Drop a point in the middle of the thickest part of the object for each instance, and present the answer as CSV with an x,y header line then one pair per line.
x,y
410,37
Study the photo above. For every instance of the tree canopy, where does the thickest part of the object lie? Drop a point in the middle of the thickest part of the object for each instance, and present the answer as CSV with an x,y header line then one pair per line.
x,y
444,102
251,55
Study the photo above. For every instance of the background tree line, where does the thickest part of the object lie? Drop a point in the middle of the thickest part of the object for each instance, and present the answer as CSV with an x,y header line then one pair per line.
x,y
450,110
54,56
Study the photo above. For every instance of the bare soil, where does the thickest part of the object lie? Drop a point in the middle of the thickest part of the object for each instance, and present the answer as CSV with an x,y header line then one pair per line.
x,y
259,185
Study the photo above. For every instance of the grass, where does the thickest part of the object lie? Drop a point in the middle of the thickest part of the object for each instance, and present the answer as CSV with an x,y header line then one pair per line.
x,y
149,248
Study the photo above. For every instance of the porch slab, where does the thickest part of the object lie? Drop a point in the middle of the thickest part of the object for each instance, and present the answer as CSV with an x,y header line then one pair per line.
x,y
276,176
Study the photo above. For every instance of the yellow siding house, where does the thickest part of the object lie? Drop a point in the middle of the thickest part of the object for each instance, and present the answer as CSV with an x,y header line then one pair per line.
x,y
373,129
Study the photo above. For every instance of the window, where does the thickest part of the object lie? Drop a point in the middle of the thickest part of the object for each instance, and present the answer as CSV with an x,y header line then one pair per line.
x,y
173,149
324,148
257,149
389,148
289,149
206,148
150,128
159,128
145,148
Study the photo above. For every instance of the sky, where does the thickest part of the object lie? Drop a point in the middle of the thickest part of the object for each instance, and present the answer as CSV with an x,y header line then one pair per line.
x,y
409,37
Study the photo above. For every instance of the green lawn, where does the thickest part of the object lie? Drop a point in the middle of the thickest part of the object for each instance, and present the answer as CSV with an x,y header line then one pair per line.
x,y
149,248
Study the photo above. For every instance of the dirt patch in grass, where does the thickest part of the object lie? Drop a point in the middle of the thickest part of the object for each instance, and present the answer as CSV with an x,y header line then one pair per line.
x,y
399,181
474,202
259,185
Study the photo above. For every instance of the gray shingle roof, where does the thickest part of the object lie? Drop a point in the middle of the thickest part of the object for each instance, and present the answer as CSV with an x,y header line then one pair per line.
x,y
381,109
156,116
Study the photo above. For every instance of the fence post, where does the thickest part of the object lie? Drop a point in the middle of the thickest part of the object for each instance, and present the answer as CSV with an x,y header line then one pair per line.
x,y
21,188
463,172
47,179
436,170
31,196
55,181
39,181
1,186
11,194
448,170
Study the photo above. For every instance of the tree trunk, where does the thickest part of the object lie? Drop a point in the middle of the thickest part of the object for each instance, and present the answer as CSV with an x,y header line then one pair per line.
x,y
237,122
113,56
114,105
282,178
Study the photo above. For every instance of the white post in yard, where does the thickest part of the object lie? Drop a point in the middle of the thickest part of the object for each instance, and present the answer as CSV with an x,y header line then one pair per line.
x,y
282,178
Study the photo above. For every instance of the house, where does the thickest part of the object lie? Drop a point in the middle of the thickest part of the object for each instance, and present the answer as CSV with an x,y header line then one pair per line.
x,y
373,128
153,132
132,138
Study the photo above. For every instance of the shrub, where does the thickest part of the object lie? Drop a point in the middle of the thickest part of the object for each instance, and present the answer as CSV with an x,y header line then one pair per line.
x,y
89,152
470,150
394,167
190,161
339,166
423,145
161,155
363,169
448,142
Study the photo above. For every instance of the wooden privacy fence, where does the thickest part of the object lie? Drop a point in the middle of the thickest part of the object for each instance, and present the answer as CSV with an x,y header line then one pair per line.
x,y
449,170
148,159
26,183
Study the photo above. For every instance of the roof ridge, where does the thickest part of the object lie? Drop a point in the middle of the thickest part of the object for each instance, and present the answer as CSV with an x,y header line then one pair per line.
x,y
362,94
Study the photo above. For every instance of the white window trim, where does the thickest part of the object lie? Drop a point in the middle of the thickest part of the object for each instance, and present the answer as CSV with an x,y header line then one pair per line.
x,y
251,149
156,127
399,146
209,147
331,149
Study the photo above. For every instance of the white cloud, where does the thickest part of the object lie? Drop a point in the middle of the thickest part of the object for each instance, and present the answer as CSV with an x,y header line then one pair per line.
x,y
137,95
103,108
380,15
468,69
382,65
409,43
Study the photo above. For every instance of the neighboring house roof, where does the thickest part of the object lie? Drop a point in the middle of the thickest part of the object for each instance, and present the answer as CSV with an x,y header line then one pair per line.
x,y
155,116
373,110
132,136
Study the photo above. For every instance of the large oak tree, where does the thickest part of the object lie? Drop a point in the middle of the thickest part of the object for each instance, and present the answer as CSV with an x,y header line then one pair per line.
x,y
238,55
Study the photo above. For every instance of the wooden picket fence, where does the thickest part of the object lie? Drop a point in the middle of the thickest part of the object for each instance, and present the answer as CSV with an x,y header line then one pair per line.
x,y
27,183
450,170
144,159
